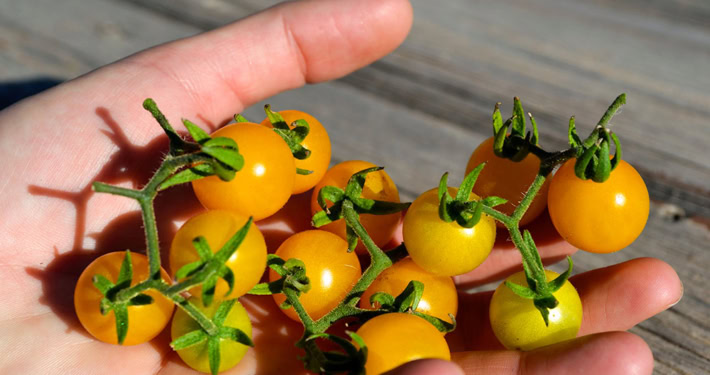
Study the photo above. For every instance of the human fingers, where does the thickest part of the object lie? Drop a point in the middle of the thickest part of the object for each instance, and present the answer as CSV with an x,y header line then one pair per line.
x,y
426,367
614,298
93,128
217,73
606,353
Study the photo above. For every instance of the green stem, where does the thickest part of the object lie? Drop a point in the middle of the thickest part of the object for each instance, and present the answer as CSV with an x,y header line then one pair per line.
x,y
195,313
298,307
379,262
611,111
100,187
151,236
524,204
534,267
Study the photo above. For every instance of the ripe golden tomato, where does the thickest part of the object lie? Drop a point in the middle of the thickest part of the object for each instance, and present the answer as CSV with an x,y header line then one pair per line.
x,y
397,338
439,298
599,217
264,183
317,141
217,227
331,269
144,321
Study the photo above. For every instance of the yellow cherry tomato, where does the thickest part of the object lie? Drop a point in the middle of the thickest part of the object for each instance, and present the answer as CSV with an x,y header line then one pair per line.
x,y
397,338
331,269
439,298
599,217
217,227
317,141
518,324
378,186
507,179
264,183
230,351
144,321
443,248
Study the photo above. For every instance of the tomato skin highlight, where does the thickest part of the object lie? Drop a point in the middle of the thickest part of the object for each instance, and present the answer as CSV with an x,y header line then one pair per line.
x,y
317,141
518,325
331,269
442,248
397,338
439,298
144,321
507,179
378,186
599,217
196,356
217,227
265,182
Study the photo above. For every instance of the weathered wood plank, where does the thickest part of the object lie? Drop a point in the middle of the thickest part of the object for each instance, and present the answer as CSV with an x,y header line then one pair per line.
x,y
68,38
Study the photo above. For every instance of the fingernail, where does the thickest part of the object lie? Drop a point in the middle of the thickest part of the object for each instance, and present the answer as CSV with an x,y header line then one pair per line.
x,y
682,290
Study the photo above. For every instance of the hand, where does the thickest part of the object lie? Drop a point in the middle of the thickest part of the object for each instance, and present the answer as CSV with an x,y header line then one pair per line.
x,y
93,128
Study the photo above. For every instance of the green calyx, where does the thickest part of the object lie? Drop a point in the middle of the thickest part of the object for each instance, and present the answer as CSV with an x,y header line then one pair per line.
x,y
110,302
465,211
352,193
511,139
594,161
293,277
539,289
293,135
213,156
350,361
220,333
408,302
210,267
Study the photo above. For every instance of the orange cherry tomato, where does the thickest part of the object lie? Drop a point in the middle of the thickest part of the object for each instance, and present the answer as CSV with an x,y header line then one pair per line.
x,y
439,298
331,269
599,217
265,182
317,141
217,226
507,179
378,186
397,338
144,321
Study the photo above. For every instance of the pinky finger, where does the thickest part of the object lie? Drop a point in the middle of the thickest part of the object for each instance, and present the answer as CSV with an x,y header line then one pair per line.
x,y
608,353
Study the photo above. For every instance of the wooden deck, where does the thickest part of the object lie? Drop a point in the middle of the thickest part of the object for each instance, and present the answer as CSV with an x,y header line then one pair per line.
x,y
425,107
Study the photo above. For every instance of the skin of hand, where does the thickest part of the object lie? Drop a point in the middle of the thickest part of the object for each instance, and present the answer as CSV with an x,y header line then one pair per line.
x,y
93,128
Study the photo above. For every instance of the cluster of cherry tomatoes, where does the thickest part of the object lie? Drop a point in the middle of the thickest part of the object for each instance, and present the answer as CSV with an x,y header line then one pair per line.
x,y
588,215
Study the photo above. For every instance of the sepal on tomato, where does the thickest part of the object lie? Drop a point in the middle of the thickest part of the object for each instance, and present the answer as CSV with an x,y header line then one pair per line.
x,y
351,361
594,161
352,193
213,340
407,302
293,277
110,291
467,213
211,266
516,145
293,136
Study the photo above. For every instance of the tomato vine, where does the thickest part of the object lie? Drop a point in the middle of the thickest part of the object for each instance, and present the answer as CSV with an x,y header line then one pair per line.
x,y
220,159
